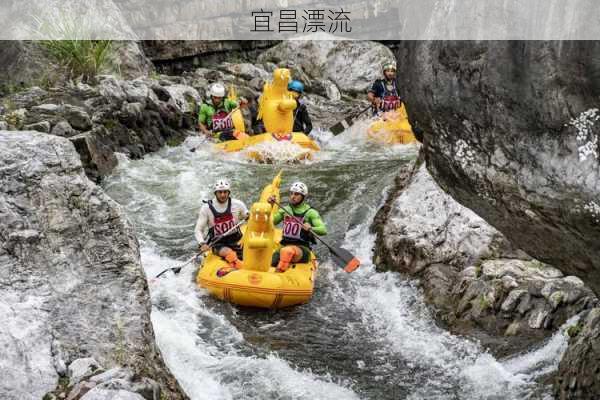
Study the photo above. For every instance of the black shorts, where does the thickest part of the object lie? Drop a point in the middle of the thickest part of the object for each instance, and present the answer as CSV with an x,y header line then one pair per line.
x,y
303,260
226,136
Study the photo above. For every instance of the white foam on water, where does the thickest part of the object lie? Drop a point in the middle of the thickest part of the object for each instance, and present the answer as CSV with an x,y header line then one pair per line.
x,y
394,309
279,152
200,346
354,144
545,359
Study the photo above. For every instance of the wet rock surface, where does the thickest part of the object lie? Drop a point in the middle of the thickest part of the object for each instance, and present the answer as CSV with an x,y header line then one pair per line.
x,y
511,132
478,282
113,116
579,368
71,283
87,380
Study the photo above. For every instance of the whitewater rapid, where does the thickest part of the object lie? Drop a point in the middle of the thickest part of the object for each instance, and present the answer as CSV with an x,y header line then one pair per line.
x,y
366,335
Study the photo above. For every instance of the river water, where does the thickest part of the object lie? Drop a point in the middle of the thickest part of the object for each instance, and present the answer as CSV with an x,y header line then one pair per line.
x,y
365,335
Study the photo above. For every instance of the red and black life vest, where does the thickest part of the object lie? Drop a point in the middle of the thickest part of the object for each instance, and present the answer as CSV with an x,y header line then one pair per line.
x,y
223,222
391,98
221,121
292,230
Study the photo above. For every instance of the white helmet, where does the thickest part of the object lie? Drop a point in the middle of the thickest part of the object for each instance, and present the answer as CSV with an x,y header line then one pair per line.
x,y
217,90
299,187
222,184
390,65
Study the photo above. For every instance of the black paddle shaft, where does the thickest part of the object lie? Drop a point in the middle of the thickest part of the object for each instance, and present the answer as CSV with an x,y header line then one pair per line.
x,y
346,122
212,242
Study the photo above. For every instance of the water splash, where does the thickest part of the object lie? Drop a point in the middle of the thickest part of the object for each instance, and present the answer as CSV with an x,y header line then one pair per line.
x,y
274,152
370,334
205,351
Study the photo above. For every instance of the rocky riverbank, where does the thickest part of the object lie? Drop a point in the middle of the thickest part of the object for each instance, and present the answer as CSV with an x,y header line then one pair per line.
x,y
478,282
133,117
71,281
138,116
511,132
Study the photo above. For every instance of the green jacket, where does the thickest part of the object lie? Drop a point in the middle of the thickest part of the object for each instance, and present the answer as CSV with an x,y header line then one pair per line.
x,y
207,110
312,217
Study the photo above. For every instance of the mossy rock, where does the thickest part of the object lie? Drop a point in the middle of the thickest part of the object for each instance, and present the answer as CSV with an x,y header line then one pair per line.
x,y
574,330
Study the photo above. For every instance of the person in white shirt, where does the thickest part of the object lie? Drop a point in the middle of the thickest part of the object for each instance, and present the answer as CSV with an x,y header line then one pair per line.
x,y
218,216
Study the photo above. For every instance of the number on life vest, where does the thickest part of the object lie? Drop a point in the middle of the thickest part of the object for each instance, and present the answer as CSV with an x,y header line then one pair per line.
x,y
292,227
221,121
223,224
391,103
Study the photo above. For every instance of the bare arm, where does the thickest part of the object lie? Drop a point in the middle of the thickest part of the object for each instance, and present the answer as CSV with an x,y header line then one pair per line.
x,y
201,225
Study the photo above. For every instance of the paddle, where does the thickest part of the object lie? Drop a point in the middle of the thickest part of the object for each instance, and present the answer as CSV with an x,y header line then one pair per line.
x,y
178,268
343,256
346,122
193,149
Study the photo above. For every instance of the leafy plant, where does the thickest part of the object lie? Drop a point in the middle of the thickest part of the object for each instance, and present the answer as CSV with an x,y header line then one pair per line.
x,y
66,40
83,59
484,303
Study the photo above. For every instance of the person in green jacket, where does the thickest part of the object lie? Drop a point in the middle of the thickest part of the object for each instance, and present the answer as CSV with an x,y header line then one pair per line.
x,y
214,119
297,231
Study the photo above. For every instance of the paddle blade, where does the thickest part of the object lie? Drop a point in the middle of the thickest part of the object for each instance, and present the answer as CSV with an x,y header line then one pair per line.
x,y
162,273
345,258
341,126
352,265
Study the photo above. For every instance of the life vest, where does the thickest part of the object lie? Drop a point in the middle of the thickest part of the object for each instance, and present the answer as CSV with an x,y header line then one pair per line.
x,y
221,121
223,222
292,230
391,99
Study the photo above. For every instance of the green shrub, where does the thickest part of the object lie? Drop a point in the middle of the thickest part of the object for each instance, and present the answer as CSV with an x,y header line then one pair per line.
x,y
66,40
83,59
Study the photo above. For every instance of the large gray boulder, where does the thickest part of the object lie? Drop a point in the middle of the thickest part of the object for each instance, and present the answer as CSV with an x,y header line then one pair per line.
x,y
351,65
131,61
469,271
425,226
71,283
511,132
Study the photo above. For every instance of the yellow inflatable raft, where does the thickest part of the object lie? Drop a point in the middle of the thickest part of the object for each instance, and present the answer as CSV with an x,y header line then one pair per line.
x,y
276,109
392,128
257,284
